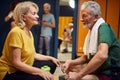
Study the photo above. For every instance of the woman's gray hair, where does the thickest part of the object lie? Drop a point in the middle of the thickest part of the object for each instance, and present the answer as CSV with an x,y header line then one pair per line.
x,y
93,6
21,9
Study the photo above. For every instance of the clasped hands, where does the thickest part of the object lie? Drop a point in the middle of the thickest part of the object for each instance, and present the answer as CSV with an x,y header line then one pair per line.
x,y
71,72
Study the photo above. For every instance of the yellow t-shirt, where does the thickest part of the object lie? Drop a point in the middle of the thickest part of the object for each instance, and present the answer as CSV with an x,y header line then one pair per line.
x,y
16,38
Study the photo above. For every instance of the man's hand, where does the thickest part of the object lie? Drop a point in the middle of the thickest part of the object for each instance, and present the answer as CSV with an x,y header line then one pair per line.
x,y
73,76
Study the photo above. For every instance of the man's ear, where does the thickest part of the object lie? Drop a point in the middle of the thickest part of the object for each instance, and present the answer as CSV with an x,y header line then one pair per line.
x,y
96,17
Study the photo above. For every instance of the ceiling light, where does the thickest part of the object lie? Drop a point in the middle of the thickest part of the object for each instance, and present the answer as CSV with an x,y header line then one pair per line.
x,y
72,3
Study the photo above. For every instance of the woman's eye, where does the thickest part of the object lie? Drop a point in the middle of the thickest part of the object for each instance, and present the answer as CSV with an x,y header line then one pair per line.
x,y
34,13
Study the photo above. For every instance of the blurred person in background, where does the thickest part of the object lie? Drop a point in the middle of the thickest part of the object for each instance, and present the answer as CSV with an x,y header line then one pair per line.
x,y
48,22
67,37
10,14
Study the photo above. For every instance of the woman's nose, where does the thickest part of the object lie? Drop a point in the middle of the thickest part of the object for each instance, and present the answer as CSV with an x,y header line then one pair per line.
x,y
37,16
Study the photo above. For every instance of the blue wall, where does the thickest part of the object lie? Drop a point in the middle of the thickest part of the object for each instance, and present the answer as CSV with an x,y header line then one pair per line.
x,y
4,27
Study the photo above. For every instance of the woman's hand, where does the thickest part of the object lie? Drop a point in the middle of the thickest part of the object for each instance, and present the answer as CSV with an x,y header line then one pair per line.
x,y
46,75
56,61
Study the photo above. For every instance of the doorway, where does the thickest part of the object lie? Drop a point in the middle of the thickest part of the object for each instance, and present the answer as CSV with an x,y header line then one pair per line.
x,y
67,17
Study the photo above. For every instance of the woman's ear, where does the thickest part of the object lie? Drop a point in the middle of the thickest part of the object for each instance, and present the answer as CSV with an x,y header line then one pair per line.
x,y
23,17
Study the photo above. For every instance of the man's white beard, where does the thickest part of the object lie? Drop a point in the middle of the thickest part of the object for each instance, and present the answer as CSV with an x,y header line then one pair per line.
x,y
87,25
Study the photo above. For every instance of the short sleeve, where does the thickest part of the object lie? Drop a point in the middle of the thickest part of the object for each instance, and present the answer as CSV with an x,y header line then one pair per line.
x,y
15,39
52,18
104,34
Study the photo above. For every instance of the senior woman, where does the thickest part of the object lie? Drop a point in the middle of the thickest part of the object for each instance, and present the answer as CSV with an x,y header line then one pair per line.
x,y
16,62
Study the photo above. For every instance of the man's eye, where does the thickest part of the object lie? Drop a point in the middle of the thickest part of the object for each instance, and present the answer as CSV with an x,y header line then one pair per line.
x,y
84,16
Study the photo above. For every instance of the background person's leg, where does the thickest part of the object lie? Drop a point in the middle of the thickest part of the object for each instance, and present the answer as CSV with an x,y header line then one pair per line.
x,y
47,45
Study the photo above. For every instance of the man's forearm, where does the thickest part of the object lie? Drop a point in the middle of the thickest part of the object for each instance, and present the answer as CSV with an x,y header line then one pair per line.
x,y
93,65
80,60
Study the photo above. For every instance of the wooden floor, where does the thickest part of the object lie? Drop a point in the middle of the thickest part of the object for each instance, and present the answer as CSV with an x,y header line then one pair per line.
x,y
56,77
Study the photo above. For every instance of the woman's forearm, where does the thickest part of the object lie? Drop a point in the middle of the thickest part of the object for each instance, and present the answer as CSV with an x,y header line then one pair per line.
x,y
42,57
26,68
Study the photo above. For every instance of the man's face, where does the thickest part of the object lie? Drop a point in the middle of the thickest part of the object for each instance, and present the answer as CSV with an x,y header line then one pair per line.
x,y
46,9
88,20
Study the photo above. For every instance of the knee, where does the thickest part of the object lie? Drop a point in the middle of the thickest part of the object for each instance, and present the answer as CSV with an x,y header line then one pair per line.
x,y
90,77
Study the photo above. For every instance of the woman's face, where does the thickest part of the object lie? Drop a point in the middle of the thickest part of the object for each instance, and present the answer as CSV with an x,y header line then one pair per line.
x,y
31,18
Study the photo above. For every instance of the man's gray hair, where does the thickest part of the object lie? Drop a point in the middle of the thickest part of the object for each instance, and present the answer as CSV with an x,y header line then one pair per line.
x,y
47,4
93,6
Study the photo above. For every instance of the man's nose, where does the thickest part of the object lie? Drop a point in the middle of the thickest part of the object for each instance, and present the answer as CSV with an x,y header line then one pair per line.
x,y
81,20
